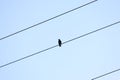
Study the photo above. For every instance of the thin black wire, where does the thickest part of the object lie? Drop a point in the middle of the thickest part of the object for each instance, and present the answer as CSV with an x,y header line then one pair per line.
x,y
105,74
93,31
57,45
27,56
47,20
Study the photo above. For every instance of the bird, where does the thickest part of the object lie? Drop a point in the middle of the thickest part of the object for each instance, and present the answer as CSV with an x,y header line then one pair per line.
x,y
59,42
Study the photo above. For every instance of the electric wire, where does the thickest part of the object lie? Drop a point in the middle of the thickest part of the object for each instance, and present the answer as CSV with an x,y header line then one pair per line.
x,y
47,20
106,74
62,44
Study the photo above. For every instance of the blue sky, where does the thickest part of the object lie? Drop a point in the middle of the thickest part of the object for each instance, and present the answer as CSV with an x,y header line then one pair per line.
x,y
82,59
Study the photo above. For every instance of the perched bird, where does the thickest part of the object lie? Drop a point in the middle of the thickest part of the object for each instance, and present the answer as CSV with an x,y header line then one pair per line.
x,y
59,42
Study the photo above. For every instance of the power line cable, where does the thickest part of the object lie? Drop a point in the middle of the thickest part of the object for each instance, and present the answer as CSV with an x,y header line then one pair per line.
x,y
47,20
57,45
105,74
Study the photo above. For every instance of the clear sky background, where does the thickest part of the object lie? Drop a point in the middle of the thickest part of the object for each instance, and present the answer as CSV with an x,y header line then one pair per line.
x,y
82,59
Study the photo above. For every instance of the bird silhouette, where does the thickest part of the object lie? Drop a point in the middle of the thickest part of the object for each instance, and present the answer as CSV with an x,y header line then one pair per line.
x,y
59,42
